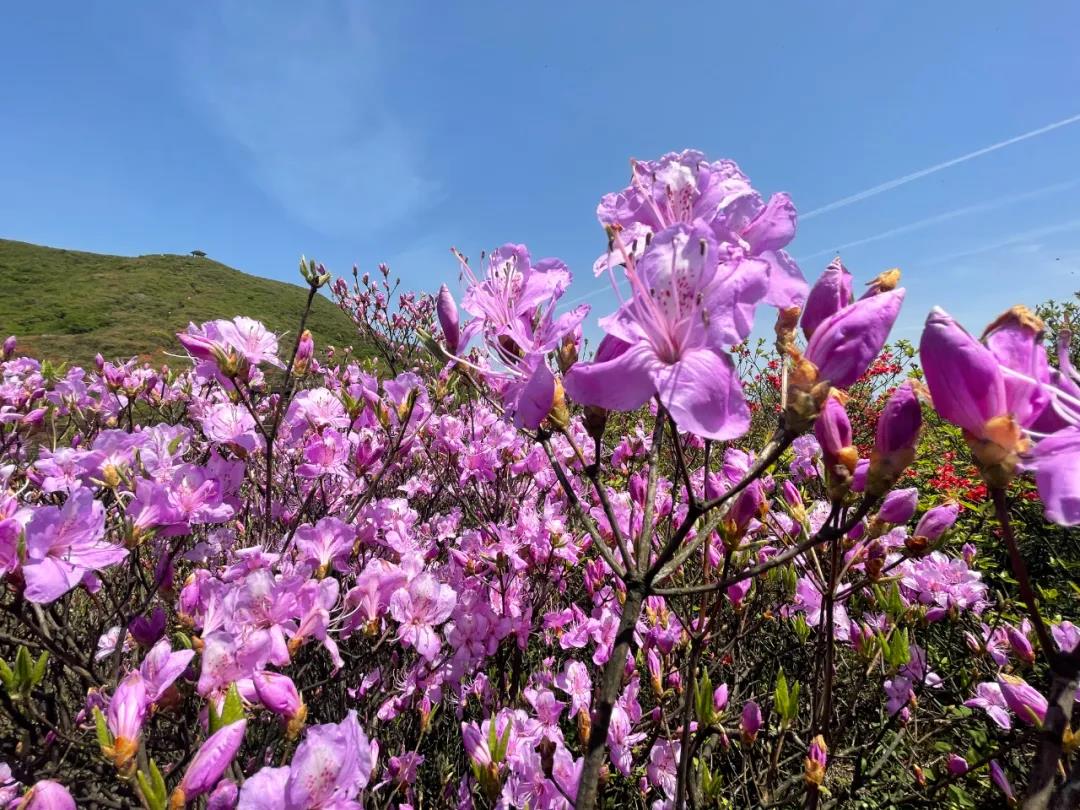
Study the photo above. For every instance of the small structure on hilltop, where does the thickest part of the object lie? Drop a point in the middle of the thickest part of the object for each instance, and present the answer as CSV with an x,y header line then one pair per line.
x,y
201,254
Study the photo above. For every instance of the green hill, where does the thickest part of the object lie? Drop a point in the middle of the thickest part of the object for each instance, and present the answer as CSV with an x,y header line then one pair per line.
x,y
69,305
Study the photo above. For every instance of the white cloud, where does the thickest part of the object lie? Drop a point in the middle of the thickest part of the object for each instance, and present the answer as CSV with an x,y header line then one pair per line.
x,y
301,92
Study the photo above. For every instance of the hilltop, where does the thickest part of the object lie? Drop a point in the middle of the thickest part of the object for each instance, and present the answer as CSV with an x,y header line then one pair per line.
x,y
69,305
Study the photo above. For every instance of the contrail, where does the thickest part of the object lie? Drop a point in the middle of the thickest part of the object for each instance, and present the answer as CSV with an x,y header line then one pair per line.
x,y
978,208
909,178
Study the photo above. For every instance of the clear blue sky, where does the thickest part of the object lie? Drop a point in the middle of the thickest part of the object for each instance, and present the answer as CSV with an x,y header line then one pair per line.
x,y
363,132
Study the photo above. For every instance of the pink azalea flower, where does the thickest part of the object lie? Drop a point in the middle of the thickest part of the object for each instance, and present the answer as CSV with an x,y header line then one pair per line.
x,y
64,544
419,607
670,338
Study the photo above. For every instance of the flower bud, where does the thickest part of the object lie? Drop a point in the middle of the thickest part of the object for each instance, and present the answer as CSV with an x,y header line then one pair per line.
x,y
875,559
750,723
899,506
968,389
956,765
830,293
1026,702
720,698
833,432
209,763
146,630
568,349
845,343
898,428
998,777
9,346
277,693
1020,644
125,717
448,319
305,351
792,496
938,520
817,759
748,505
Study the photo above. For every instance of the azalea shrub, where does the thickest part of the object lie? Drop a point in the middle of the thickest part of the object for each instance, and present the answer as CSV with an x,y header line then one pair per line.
x,y
475,565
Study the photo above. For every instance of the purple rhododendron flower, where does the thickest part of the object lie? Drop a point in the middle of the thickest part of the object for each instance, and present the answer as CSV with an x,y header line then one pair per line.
x,y
989,698
329,769
64,544
686,308
419,607
685,189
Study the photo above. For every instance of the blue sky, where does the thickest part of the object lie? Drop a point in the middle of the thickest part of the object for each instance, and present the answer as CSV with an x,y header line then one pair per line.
x,y
358,132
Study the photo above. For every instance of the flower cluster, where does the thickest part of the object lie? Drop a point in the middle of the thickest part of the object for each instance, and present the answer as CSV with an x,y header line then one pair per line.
x,y
477,570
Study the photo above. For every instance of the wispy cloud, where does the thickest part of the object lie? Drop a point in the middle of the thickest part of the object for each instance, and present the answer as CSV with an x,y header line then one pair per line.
x,y
301,93
956,213
888,185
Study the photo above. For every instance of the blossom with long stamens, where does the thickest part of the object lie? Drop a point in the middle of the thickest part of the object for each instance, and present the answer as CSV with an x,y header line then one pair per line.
x,y
514,308
684,188
686,309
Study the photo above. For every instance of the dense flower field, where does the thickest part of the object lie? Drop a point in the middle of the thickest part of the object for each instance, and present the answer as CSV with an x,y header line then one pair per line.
x,y
483,570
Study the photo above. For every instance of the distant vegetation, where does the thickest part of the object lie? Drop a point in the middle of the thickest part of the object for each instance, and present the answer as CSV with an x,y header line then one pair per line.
x,y
69,305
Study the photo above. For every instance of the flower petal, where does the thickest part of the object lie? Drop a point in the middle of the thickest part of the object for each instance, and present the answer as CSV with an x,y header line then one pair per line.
x,y
703,395
622,383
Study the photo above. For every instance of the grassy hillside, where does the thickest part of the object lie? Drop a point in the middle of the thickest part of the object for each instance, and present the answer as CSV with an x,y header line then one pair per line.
x,y
69,305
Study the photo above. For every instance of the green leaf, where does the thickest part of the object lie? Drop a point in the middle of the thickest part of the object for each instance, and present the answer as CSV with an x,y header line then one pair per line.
x,y
23,667
38,672
232,709
104,737
153,788
158,780
781,695
793,702
504,743
703,700
7,677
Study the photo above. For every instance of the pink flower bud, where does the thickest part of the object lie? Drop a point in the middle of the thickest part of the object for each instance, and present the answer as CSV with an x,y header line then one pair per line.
x,y
1020,644
9,346
845,343
833,431
209,763
277,693
1026,702
899,506
830,293
792,496
817,759
47,795
997,776
720,698
305,351
956,765
938,520
448,319
125,717
966,384
899,422
750,723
